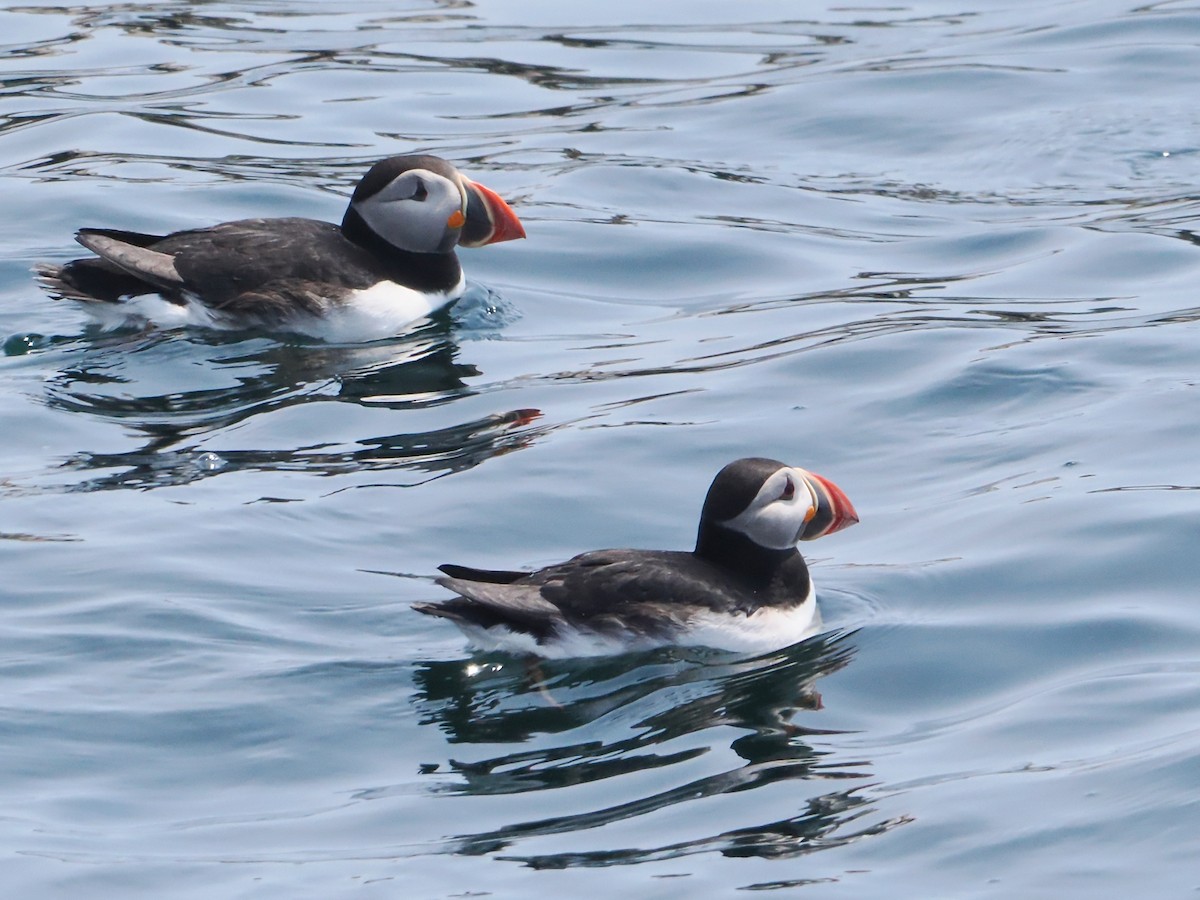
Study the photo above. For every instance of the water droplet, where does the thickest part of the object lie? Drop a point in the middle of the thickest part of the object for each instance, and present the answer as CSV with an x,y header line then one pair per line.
x,y
20,344
209,461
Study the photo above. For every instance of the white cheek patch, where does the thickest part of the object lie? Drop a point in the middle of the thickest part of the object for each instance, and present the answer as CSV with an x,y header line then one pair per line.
x,y
771,521
405,222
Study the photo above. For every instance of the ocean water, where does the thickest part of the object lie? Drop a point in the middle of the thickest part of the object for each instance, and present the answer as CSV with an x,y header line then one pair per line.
x,y
944,254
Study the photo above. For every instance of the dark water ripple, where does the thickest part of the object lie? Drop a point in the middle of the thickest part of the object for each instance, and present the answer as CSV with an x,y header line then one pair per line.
x,y
682,697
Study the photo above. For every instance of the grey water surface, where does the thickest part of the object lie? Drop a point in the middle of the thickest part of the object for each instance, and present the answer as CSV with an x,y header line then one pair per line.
x,y
943,253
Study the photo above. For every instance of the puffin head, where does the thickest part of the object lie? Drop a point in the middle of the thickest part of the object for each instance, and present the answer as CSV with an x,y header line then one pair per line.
x,y
776,505
423,204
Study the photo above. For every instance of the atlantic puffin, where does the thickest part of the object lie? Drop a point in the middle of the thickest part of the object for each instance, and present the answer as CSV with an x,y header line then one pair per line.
x,y
745,587
389,263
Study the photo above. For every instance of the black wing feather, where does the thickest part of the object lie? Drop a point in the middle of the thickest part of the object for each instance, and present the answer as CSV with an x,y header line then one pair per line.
x,y
242,263
492,576
605,591
262,270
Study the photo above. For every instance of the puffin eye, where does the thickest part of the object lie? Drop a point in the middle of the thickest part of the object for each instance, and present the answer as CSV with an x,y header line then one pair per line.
x,y
789,490
421,192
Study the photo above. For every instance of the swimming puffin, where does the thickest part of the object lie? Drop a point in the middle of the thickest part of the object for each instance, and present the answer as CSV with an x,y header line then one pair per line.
x,y
390,262
744,588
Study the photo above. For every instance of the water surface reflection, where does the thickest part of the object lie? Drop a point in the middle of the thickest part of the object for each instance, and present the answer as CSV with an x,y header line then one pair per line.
x,y
589,721
179,398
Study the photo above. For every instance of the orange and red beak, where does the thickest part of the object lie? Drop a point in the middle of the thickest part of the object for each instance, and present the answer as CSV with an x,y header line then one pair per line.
x,y
489,219
834,510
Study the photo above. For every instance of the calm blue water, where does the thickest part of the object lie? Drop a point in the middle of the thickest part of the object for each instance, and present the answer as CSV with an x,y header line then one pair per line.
x,y
944,254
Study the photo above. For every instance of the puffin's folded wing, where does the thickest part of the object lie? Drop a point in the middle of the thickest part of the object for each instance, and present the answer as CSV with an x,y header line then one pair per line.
x,y
156,268
493,576
485,605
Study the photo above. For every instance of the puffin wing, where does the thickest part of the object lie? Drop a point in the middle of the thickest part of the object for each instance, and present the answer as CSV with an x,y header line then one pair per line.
x,y
519,607
655,593
263,269
130,252
493,576
609,592
270,269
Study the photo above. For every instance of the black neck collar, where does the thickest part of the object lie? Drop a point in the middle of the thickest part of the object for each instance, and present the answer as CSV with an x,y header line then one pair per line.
x,y
425,272
777,572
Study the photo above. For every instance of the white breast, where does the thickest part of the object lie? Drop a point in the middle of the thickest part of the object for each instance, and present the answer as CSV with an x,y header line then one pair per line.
x,y
381,311
762,631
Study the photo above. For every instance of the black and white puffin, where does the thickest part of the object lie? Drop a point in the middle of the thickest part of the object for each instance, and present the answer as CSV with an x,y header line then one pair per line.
x,y
389,263
744,588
